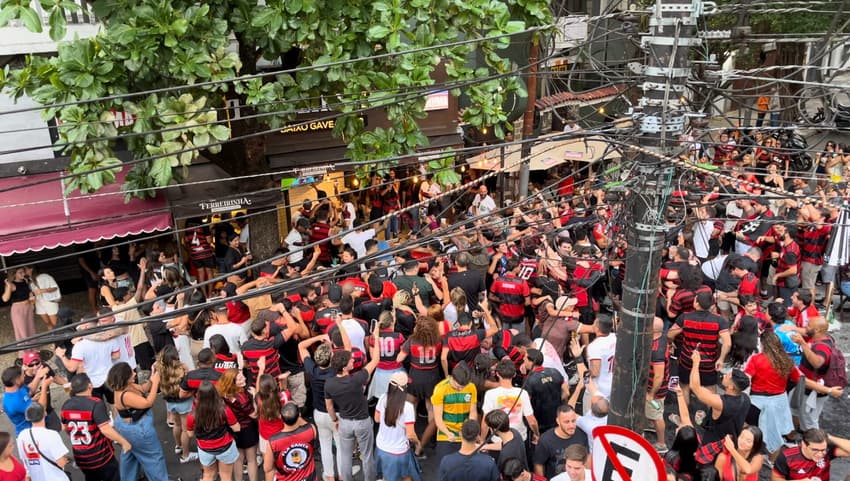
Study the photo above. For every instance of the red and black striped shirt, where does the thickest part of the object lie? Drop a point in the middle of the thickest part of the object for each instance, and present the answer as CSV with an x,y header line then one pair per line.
x,y
660,354
223,362
813,240
390,343
789,256
683,300
512,293
193,379
216,440
82,418
320,231
422,357
703,328
294,454
253,349
791,464
463,345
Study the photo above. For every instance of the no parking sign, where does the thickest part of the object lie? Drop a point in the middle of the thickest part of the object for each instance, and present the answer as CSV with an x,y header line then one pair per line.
x,y
623,455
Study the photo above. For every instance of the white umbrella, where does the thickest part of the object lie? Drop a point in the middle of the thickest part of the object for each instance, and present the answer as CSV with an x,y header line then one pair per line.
x,y
837,251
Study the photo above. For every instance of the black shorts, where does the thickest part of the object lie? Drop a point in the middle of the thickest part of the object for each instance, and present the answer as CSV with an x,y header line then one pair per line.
x,y
90,283
586,315
422,383
206,263
706,379
248,436
104,393
108,472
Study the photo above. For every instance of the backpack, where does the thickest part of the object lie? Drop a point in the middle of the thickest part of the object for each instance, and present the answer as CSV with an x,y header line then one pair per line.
x,y
836,373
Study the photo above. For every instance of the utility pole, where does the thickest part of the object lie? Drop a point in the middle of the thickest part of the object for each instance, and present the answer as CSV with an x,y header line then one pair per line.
x,y
672,33
528,117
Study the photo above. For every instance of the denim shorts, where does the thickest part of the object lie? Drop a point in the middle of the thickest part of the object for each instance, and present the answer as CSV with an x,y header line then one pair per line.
x,y
227,457
394,467
181,407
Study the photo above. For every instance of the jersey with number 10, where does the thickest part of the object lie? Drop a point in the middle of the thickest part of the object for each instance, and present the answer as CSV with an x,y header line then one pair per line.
x,y
82,418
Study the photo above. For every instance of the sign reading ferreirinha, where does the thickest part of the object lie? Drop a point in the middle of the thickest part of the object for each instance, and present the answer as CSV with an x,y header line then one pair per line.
x,y
313,126
225,205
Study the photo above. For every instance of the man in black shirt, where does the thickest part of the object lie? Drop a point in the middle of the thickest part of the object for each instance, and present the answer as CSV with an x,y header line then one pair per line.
x,y
546,388
205,372
318,367
472,282
468,464
347,406
549,457
729,410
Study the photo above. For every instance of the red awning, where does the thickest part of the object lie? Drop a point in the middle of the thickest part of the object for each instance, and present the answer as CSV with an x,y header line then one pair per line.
x,y
40,217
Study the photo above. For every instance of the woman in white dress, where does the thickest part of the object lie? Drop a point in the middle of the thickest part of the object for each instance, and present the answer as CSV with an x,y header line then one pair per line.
x,y
47,295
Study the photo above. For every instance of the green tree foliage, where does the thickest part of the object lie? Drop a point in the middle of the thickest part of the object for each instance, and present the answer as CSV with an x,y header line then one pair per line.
x,y
152,44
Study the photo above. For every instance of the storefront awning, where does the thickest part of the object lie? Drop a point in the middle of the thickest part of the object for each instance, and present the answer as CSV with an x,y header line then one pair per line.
x,y
546,155
41,216
209,190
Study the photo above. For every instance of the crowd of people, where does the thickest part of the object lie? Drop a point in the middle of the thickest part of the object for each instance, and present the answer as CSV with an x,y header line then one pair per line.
x,y
488,342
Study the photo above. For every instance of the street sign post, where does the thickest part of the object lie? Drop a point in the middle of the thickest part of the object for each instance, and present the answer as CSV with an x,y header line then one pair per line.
x,y
623,455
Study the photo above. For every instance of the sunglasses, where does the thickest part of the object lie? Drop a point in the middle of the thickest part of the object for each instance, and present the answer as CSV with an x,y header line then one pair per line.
x,y
34,363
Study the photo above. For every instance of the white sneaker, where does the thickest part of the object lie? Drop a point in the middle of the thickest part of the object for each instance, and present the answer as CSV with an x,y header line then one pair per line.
x,y
178,450
355,470
189,458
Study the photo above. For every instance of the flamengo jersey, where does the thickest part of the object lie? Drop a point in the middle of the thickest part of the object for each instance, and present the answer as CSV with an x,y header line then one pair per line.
x,y
528,268
82,418
422,357
224,362
512,292
294,455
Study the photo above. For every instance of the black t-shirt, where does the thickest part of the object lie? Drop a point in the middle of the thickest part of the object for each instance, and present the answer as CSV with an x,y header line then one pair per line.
x,y
231,257
550,451
288,352
515,448
371,308
544,389
731,420
348,396
462,467
404,322
318,378
472,283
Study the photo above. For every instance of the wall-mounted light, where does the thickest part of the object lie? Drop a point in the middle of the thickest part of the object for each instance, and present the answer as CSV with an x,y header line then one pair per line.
x,y
601,110
463,168
484,130
415,179
355,182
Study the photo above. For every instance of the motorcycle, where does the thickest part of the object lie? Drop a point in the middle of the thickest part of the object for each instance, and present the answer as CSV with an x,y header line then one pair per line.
x,y
796,148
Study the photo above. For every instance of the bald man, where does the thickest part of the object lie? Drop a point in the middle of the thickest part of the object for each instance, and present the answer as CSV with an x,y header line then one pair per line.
x,y
814,365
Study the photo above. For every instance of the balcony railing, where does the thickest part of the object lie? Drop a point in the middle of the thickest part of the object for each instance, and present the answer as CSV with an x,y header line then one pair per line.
x,y
82,16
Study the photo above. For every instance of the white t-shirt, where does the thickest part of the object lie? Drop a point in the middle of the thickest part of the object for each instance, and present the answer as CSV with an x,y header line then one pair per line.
x,y
551,358
50,444
357,240
234,334
702,234
588,476
602,349
96,358
485,205
588,422
504,398
356,334
294,243
348,222
124,345
245,236
46,281
394,439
